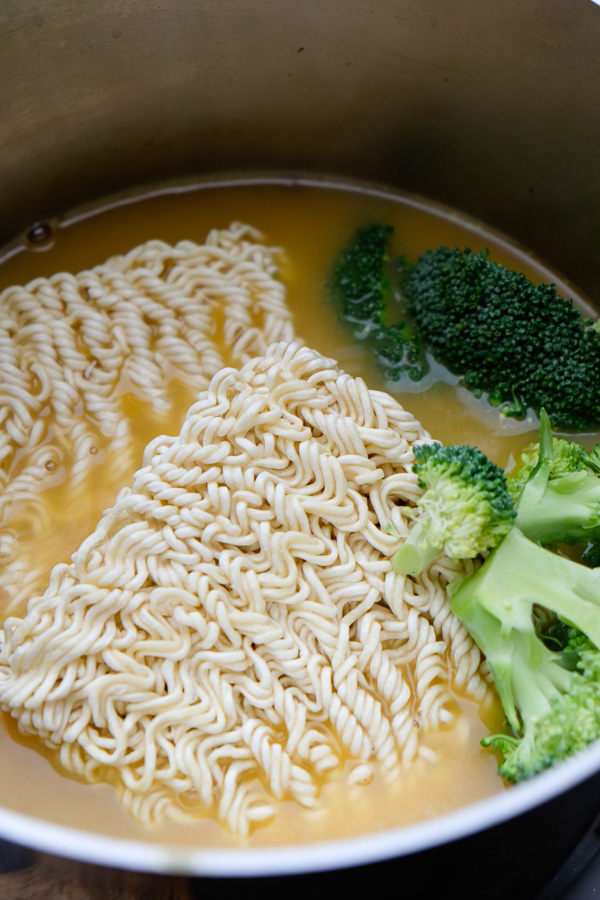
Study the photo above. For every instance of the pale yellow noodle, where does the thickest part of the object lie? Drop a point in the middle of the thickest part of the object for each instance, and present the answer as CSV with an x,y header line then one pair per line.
x,y
70,345
233,630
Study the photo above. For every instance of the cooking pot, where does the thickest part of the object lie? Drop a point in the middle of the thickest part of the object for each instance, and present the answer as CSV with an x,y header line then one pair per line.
x,y
488,107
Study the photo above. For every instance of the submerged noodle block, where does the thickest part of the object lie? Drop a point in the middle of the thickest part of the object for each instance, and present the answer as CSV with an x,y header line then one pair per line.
x,y
71,344
233,630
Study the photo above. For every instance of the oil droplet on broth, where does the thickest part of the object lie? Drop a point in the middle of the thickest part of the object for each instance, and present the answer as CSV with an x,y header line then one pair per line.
x,y
311,222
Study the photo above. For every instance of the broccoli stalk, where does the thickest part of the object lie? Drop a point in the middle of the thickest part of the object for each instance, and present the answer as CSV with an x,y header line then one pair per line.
x,y
557,492
520,343
465,509
553,710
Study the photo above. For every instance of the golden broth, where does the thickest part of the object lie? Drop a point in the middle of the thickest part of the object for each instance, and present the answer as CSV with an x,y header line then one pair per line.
x,y
311,223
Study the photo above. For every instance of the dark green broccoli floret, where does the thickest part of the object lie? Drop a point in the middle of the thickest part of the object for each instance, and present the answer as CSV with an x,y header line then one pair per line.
x,y
361,284
358,281
522,344
550,690
465,510
557,491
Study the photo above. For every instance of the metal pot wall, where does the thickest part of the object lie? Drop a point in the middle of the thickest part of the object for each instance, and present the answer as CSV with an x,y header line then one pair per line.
x,y
489,107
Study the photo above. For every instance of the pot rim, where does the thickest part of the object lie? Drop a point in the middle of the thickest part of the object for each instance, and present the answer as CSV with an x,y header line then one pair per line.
x,y
178,859
159,858
298,178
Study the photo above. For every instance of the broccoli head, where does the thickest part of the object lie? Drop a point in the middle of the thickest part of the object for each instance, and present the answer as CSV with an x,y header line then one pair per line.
x,y
464,511
557,490
550,689
533,612
361,284
358,281
520,343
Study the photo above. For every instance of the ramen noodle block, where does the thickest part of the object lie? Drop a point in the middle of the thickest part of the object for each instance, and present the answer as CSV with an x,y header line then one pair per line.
x,y
70,346
232,631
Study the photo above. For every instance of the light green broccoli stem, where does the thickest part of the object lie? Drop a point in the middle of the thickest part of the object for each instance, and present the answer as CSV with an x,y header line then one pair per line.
x,y
559,502
495,604
417,552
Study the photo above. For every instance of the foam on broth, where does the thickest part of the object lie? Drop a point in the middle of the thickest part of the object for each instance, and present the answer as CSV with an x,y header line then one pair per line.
x,y
311,222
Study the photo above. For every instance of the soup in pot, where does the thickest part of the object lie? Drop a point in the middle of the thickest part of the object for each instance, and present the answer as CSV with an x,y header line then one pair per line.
x,y
265,283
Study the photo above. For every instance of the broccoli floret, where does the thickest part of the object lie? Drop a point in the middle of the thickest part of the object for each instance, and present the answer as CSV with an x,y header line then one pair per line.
x,y
534,613
557,491
358,281
465,510
521,344
553,708
570,725
361,284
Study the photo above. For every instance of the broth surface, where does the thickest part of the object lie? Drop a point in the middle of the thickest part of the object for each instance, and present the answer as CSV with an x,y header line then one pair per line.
x,y
311,222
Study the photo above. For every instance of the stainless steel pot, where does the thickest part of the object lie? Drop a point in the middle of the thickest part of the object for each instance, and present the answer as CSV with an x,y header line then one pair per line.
x,y
489,107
